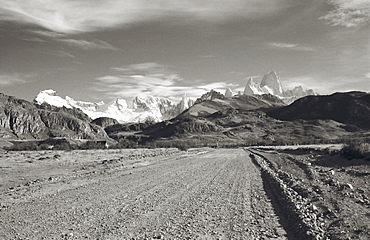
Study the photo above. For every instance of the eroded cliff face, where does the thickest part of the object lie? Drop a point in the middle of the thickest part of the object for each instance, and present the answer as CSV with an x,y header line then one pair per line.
x,y
20,119
61,124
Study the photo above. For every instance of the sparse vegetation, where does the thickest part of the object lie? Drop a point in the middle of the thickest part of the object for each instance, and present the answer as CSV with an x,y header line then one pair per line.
x,y
125,143
356,149
40,145
92,145
23,146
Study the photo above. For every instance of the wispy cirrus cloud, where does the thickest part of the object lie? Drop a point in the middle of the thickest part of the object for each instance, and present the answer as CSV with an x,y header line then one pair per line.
x,y
14,79
151,79
148,69
80,43
49,34
291,46
88,45
348,13
139,79
62,54
84,16
33,39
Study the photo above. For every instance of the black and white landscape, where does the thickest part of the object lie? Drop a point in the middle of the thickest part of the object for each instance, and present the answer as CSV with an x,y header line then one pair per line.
x,y
184,119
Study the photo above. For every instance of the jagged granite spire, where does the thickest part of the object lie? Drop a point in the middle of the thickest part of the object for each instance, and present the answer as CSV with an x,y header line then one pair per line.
x,y
252,88
229,93
271,83
185,103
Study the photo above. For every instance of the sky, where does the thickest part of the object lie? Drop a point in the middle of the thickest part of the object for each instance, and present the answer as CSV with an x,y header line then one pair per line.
x,y
93,50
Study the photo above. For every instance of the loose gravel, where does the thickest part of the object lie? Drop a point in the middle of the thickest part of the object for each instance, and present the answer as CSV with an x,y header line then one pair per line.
x,y
209,194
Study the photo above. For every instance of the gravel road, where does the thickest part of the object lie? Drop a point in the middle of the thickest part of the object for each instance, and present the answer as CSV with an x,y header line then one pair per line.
x,y
216,194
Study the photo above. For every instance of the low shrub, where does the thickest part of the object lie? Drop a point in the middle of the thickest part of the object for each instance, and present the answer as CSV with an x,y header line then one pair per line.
x,y
183,146
355,149
63,146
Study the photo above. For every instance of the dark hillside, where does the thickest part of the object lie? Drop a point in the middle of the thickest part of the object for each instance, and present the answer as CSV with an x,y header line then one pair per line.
x,y
349,108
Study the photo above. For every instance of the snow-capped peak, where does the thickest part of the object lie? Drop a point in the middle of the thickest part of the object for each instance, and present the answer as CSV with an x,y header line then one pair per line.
x,y
149,103
140,109
49,92
51,97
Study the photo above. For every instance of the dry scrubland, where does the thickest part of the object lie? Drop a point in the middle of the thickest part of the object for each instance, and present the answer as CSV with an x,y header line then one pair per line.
x,y
170,194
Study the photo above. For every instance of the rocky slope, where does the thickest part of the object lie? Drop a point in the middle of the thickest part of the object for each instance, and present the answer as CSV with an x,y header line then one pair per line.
x,y
20,119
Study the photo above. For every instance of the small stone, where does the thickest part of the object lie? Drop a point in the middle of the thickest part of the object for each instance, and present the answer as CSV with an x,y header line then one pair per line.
x,y
314,207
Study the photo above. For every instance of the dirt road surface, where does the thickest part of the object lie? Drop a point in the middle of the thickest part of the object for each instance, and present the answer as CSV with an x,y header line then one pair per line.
x,y
213,194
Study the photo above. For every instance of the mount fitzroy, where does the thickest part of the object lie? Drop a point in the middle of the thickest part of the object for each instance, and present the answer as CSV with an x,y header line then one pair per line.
x,y
271,84
158,109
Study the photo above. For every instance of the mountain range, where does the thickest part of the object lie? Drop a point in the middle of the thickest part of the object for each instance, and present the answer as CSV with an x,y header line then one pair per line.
x,y
140,109
157,109
212,118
